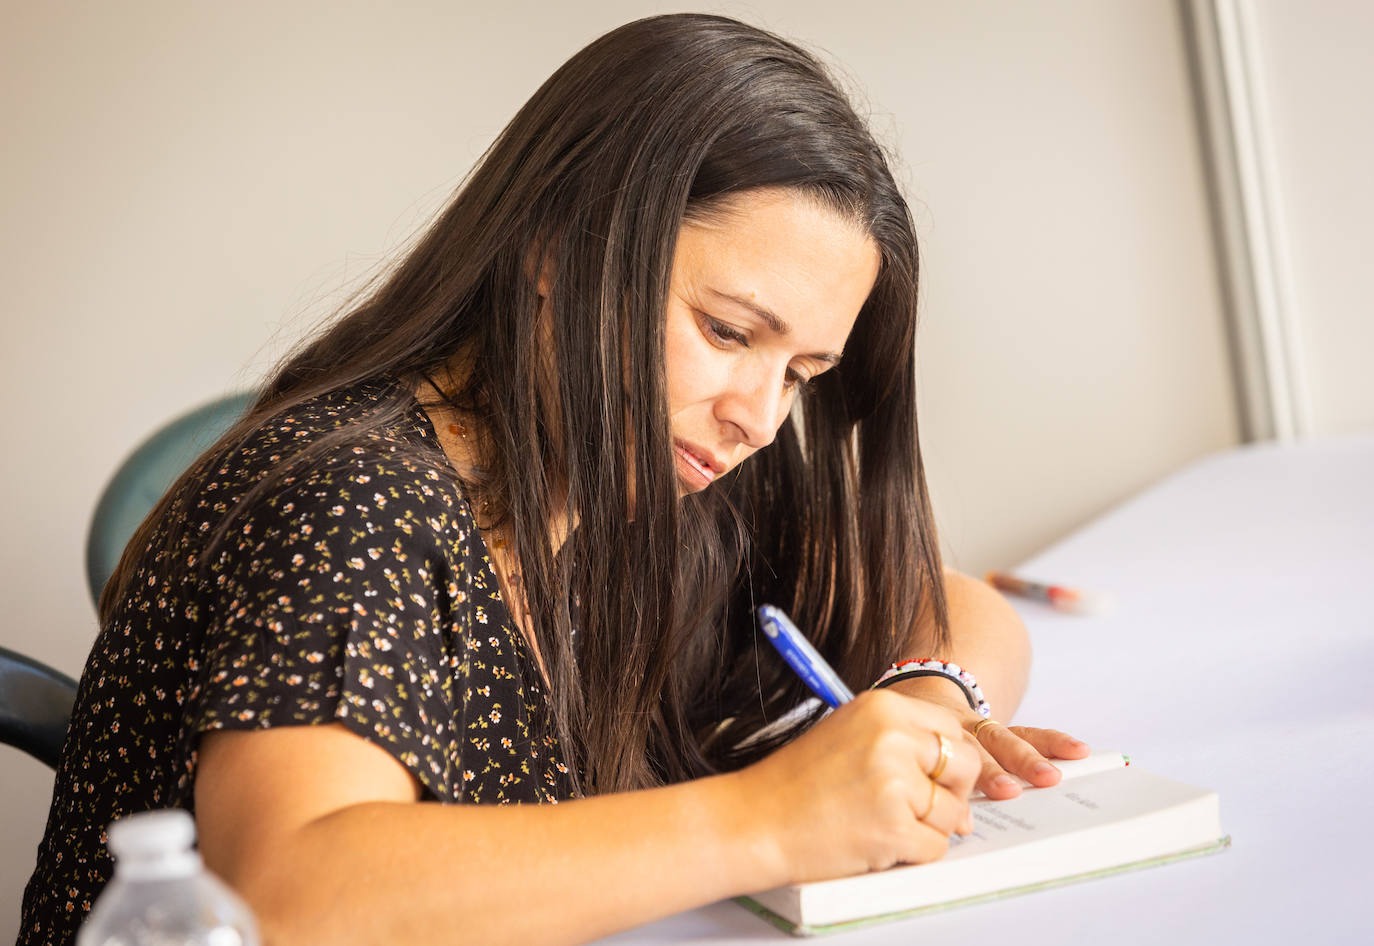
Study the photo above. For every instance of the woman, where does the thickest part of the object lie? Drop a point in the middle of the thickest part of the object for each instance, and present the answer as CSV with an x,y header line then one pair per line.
x,y
498,534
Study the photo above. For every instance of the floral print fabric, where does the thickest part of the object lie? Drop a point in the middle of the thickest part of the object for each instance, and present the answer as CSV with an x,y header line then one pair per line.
x,y
358,592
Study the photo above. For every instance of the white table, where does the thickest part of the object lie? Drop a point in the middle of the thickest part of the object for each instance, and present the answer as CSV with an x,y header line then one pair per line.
x,y
1239,656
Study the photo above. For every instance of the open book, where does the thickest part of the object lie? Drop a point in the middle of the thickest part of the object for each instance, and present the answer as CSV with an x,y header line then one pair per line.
x,y
1104,816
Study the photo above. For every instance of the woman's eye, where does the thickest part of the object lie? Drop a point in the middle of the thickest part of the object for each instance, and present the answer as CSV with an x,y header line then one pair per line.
x,y
722,334
795,382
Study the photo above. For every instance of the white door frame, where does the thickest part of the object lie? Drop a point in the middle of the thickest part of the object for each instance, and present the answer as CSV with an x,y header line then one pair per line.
x,y
1233,113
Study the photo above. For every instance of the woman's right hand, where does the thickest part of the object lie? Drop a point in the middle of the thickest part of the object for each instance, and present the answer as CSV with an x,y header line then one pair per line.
x,y
852,794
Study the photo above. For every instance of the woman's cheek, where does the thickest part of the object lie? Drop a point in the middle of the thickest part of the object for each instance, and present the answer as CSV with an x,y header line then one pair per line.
x,y
694,367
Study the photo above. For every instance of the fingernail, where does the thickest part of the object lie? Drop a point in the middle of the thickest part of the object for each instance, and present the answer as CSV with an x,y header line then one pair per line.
x,y
1077,743
1004,782
1043,768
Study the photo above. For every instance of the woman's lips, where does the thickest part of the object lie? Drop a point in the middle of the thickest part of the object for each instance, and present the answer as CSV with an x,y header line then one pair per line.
x,y
696,471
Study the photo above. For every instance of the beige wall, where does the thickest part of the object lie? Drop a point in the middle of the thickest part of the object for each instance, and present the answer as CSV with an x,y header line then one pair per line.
x,y
186,185
1316,67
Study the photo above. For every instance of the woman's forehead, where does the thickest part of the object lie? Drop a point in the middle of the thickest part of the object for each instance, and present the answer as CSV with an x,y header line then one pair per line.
x,y
783,257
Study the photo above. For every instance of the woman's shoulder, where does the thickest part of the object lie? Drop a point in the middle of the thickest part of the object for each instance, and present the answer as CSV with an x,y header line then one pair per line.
x,y
359,458
369,418
373,426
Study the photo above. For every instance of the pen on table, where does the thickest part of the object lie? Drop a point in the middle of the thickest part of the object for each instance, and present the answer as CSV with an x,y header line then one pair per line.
x,y
802,657
1057,596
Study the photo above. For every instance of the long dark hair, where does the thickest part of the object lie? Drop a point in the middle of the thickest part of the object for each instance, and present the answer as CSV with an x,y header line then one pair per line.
x,y
660,121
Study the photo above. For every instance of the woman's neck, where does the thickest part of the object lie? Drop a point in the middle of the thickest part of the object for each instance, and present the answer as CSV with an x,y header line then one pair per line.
x,y
465,443
462,440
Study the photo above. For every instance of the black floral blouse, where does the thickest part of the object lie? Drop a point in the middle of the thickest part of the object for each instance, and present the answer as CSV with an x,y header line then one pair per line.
x,y
358,592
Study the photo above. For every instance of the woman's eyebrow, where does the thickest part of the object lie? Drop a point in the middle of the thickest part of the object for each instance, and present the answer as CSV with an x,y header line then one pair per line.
x,y
770,318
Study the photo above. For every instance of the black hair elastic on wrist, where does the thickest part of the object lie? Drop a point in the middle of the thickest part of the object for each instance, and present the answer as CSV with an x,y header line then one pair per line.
x,y
938,668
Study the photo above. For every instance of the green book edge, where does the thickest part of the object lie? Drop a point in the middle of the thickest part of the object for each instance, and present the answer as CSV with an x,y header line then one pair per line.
x,y
759,910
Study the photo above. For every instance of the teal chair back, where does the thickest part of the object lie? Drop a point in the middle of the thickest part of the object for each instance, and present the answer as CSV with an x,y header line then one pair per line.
x,y
141,480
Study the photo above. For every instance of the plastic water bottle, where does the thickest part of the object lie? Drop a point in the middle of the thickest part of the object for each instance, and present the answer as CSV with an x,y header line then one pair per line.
x,y
161,894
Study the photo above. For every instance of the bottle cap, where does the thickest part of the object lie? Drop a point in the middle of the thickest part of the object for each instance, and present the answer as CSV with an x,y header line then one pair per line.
x,y
155,843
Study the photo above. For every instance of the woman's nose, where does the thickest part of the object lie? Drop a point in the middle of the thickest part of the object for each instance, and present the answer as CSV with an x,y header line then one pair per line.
x,y
754,404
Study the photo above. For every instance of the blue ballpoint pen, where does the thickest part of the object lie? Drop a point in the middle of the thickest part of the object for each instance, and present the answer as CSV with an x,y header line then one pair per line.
x,y
802,657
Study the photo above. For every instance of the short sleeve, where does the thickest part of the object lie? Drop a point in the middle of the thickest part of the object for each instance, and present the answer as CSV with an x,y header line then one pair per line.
x,y
332,601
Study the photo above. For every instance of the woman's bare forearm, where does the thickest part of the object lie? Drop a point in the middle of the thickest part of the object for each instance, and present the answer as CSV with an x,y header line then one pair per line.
x,y
323,832
494,874
987,637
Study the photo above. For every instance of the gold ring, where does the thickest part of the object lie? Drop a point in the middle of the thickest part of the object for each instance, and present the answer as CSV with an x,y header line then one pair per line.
x,y
931,807
940,763
978,726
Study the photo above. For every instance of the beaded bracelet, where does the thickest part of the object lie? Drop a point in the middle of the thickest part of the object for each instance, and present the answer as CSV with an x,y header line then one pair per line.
x,y
935,667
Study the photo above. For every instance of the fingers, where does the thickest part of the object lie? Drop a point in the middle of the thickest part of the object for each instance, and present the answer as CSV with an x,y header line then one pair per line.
x,y
948,765
933,814
993,780
1021,751
951,769
1052,743
953,762
943,811
950,762
922,724
920,845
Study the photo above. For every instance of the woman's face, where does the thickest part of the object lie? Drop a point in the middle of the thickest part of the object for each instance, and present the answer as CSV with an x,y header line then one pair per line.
x,y
762,300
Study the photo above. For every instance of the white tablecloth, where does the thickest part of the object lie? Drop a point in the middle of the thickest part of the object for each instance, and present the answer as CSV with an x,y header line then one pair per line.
x,y
1239,656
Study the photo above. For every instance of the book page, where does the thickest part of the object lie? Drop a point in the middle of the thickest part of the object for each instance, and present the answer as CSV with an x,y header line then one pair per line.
x,y
1075,803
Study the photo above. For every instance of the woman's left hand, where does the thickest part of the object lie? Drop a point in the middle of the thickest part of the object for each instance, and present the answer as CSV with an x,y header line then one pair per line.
x,y
1019,750
1006,751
